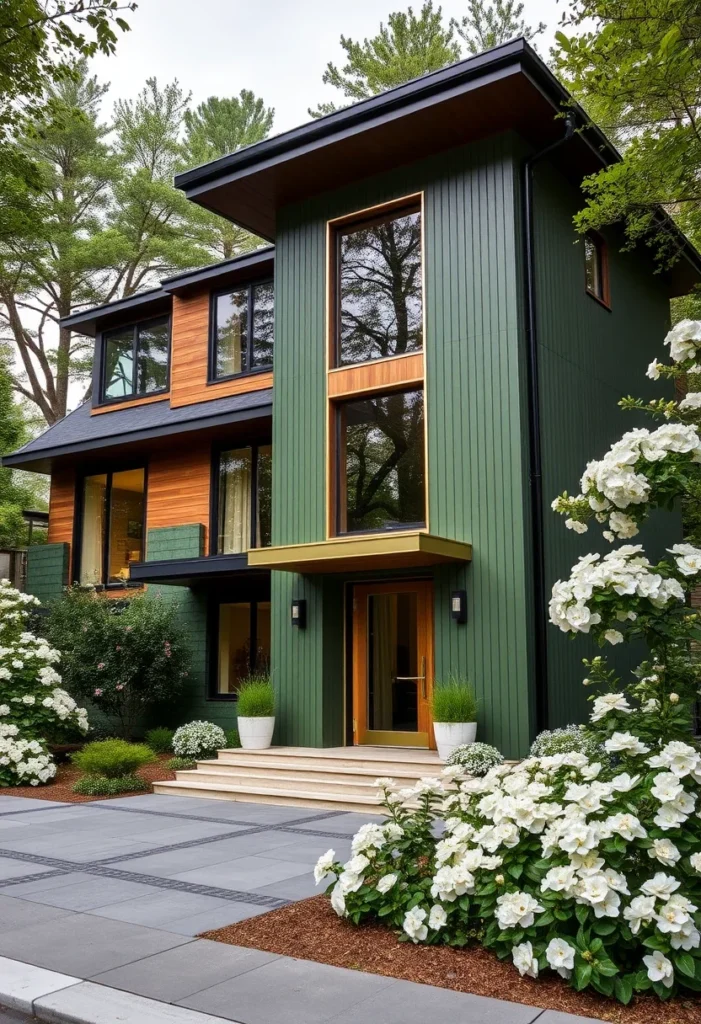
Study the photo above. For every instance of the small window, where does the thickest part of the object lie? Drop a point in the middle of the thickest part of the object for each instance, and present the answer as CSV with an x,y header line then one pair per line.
x,y
380,463
244,477
243,330
112,526
136,360
596,267
242,644
379,301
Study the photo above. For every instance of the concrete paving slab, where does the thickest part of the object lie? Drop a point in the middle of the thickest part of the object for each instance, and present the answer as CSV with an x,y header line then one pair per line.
x,y
210,920
18,913
178,973
180,832
301,887
308,850
77,847
86,894
244,873
17,868
171,863
157,802
404,1002
348,822
156,909
95,1004
304,992
22,890
21,984
83,945
556,1017
25,803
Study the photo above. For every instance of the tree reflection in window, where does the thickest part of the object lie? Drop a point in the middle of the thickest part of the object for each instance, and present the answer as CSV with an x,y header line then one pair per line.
x,y
380,303
381,462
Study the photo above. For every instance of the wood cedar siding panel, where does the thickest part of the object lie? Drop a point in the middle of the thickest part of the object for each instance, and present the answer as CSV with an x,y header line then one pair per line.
x,y
475,488
62,509
190,357
178,488
588,357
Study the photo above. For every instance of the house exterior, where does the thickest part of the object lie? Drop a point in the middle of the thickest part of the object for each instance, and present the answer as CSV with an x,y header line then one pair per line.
x,y
338,452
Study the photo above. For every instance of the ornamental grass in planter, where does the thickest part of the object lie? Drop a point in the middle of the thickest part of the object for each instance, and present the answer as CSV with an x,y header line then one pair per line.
x,y
454,709
256,712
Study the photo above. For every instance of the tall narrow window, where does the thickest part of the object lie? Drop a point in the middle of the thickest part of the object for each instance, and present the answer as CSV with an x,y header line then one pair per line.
x,y
112,527
380,462
378,288
244,480
596,267
242,645
135,360
243,330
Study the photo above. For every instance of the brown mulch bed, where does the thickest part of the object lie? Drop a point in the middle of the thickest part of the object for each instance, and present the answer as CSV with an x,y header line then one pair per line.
x,y
310,930
61,786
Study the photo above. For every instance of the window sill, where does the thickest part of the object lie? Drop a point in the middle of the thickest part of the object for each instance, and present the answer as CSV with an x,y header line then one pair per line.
x,y
106,405
380,359
602,302
239,376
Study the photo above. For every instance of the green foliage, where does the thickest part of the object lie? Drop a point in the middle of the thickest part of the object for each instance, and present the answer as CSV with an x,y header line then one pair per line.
x,y
181,764
256,697
15,493
160,740
636,68
126,659
454,701
571,739
488,24
97,785
112,759
198,739
475,758
233,740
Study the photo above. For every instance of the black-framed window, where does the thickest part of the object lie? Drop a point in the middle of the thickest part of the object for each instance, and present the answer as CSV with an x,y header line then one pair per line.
x,y
380,462
111,526
596,267
379,296
243,493
241,644
135,360
242,330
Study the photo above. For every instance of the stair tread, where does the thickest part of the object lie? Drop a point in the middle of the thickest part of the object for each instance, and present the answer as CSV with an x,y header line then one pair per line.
x,y
272,766
394,755
270,776
300,794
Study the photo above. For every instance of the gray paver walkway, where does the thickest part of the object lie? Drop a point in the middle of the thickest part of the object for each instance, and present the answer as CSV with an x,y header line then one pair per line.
x,y
111,895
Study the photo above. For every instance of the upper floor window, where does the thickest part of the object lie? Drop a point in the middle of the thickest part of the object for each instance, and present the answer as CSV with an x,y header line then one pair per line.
x,y
135,360
111,526
244,488
379,300
381,462
596,267
243,330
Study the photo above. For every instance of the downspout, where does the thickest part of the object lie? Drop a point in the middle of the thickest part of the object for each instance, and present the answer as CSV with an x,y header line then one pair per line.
x,y
534,429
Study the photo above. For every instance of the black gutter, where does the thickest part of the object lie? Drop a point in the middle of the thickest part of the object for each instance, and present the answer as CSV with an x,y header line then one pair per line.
x,y
534,428
203,275
117,306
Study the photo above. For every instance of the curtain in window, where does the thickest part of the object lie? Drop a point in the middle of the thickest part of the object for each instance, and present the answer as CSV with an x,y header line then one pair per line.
x,y
93,530
235,502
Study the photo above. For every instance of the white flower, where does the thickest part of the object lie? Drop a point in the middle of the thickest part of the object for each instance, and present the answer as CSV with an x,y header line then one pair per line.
x,y
324,865
671,918
414,924
661,886
623,783
687,938
609,702
560,956
695,861
668,816
516,909
338,901
437,918
687,557
640,911
559,879
524,960
683,340
659,968
667,787
370,836
613,636
653,370
625,743
665,852
692,400
572,524
386,882
679,757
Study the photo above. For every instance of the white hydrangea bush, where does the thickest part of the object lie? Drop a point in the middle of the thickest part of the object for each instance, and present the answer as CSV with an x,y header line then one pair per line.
x,y
33,704
198,739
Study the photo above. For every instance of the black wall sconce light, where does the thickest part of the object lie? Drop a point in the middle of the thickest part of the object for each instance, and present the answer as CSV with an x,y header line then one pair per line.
x,y
298,613
458,606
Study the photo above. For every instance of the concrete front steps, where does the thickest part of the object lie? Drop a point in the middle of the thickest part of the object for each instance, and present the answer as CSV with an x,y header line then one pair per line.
x,y
336,778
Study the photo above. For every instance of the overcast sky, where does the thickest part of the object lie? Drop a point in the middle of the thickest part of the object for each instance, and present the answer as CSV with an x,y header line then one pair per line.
x,y
276,48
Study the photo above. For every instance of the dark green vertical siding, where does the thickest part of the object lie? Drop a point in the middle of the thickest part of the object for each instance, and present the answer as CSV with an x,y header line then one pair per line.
x,y
473,408
589,358
47,570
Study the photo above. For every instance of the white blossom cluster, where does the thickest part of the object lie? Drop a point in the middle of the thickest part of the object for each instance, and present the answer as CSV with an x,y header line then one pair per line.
x,y
622,573
198,739
26,759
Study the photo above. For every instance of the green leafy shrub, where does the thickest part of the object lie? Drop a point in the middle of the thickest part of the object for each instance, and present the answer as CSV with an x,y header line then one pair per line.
x,y
99,785
475,758
181,764
160,740
198,739
256,697
572,739
454,701
233,740
112,759
125,657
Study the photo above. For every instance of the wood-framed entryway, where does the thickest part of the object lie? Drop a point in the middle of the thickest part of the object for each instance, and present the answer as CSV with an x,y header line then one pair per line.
x,y
392,641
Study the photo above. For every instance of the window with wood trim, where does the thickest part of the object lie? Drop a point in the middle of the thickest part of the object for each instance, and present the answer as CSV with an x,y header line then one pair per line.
x,y
377,292
243,489
242,330
135,360
596,267
111,526
380,462
241,644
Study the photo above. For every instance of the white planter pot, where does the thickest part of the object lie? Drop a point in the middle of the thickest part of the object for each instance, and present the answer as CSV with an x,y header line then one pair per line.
x,y
450,735
256,733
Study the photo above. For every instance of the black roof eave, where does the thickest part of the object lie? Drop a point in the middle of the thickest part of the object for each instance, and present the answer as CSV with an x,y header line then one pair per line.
x,y
189,571
39,460
215,271
87,318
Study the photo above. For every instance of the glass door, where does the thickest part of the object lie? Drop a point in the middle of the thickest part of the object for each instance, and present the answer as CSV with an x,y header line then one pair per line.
x,y
393,663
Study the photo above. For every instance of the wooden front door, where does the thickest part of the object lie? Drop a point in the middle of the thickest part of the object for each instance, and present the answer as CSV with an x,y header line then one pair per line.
x,y
393,663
